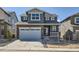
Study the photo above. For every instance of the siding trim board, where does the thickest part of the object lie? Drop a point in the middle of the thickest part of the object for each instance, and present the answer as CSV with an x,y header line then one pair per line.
x,y
24,23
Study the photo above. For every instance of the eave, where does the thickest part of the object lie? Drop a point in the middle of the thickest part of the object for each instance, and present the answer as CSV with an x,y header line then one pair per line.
x,y
24,23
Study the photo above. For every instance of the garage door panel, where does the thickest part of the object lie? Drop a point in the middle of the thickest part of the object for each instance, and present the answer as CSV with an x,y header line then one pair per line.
x,y
23,34
30,34
35,34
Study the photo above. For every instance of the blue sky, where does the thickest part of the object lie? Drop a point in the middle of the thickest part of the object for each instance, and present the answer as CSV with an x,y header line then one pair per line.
x,y
62,12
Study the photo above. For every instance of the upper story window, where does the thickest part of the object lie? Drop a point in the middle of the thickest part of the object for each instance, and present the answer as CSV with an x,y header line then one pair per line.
x,y
50,18
35,17
23,17
77,20
47,18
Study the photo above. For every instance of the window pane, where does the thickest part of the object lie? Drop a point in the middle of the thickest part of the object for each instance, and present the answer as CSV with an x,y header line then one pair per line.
x,y
37,17
49,18
33,15
37,14
52,19
53,28
24,18
21,18
77,20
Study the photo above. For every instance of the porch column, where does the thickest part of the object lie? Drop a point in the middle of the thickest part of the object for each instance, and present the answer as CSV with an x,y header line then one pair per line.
x,y
42,31
0,31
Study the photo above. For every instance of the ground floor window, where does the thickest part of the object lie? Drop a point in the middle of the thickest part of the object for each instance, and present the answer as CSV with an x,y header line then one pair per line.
x,y
54,28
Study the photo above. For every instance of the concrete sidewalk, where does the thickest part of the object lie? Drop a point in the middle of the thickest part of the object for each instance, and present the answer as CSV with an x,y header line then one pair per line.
x,y
40,50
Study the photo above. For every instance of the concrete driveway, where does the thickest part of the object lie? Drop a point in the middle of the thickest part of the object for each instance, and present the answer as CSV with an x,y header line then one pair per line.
x,y
22,45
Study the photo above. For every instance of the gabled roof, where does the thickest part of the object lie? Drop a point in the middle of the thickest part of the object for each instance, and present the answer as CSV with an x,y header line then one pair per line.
x,y
66,19
23,14
4,11
11,13
41,11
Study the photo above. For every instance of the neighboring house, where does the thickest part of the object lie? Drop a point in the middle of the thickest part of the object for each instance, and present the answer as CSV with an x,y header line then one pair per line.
x,y
13,20
5,25
37,24
69,28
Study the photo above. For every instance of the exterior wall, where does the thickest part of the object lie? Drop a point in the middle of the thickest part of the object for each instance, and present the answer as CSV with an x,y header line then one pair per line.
x,y
73,19
13,20
1,31
43,16
50,16
5,31
64,27
4,16
5,21
75,28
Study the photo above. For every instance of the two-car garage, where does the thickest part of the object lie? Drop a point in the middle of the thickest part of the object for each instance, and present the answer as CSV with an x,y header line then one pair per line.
x,y
30,33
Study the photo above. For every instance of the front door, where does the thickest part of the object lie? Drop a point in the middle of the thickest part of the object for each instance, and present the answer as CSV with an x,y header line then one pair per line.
x,y
47,31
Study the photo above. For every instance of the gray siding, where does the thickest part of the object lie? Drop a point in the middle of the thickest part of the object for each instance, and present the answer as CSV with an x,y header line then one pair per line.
x,y
43,16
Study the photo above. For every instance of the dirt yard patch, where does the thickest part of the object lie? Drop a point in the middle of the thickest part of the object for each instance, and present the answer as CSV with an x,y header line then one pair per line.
x,y
70,46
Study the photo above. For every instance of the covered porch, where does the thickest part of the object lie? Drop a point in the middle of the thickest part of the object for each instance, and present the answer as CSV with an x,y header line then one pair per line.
x,y
50,34
51,31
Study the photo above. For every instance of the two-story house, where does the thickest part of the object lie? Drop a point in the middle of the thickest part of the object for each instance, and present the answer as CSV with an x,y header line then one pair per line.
x,y
37,24
13,21
5,25
69,28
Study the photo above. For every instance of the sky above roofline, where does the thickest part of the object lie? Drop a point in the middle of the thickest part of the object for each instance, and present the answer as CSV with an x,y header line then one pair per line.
x,y
62,12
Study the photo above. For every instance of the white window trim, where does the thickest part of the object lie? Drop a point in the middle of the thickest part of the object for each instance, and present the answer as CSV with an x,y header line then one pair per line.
x,y
37,19
47,18
54,28
75,20
52,18
25,17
